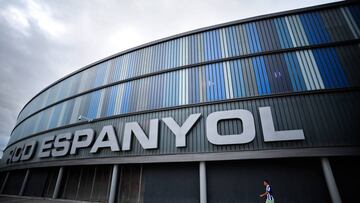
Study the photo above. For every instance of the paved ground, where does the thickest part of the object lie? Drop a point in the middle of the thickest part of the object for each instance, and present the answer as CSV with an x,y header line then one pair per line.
x,y
13,199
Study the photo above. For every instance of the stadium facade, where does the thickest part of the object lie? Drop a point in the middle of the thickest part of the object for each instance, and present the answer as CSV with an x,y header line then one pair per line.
x,y
203,116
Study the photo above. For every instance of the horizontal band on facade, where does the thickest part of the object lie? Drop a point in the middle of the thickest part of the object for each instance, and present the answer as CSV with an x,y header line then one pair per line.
x,y
223,156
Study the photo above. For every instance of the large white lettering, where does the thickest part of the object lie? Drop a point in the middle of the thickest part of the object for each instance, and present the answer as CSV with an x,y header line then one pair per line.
x,y
65,143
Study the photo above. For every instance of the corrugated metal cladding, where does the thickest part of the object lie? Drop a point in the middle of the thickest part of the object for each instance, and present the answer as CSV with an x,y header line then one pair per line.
x,y
309,28
328,120
323,50
311,69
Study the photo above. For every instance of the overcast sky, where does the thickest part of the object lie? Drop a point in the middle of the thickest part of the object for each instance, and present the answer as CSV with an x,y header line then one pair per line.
x,y
42,41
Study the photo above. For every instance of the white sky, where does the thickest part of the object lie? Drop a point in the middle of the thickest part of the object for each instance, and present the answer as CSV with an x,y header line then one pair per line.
x,y
42,41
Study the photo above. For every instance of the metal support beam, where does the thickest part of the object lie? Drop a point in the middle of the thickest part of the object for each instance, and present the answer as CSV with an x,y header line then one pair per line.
x,y
58,183
113,185
330,181
4,183
24,182
202,171
140,184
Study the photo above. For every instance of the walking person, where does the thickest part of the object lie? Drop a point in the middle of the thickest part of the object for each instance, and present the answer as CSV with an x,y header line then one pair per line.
x,y
268,193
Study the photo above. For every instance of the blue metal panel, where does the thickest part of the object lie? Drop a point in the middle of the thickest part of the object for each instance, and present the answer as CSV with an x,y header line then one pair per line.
x,y
308,28
210,45
221,85
68,111
152,94
250,38
234,78
170,53
158,91
206,45
160,56
215,80
256,37
152,57
240,83
286,32
296,69
208,83
190,92
167,95
116,65
171,92
196,87
175,53
100,75
292,73
231,40
55,116
234,41
124,102
321,27
94,103
44,119
241,79
264,75
261,76
280,32
166,90
196,49
327,75
130,100
339,70
64,89
217,45
177,78
112,99
258,76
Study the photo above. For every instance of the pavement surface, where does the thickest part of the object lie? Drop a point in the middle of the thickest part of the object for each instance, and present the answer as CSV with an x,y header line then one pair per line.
x,y
15,199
